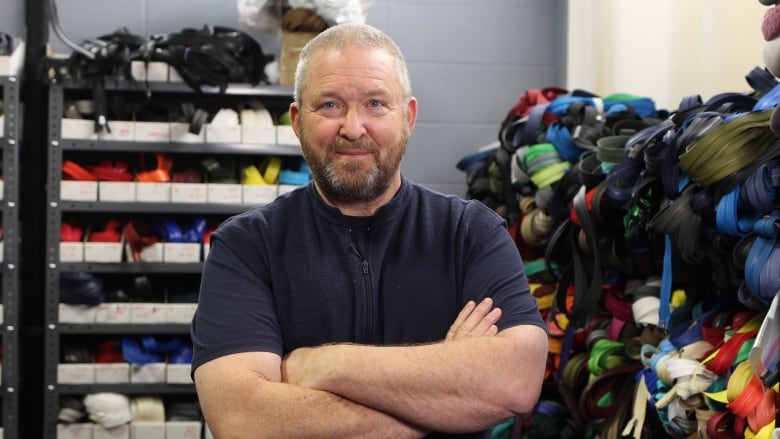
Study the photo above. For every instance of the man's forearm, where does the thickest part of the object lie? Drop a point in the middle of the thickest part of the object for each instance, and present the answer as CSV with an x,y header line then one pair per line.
x,y
299,412
240,403
458,385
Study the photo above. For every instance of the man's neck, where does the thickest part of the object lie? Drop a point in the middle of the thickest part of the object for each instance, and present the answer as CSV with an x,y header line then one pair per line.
x,y
364,208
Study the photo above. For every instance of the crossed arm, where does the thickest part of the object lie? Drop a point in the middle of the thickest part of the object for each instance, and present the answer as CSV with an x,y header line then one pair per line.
x,y
473,379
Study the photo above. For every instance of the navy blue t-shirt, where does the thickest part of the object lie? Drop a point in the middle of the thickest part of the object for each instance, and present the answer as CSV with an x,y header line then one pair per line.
x,y
296,272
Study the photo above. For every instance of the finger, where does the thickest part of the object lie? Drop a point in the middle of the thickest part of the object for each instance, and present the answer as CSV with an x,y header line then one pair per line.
x,y
456,325
464,313
476,316
489,321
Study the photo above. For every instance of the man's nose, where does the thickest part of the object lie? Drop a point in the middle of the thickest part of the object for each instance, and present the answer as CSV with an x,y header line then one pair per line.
x,y
352,127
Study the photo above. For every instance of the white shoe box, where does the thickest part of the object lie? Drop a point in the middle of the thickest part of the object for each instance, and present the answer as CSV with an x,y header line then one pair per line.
x,y
77,314
260,194
180,312
76,373
181,252
152,132
189,193
147,430
147,313
106,252
223,133
148,373
224,193
180,132
119,191
150,192
75,190
283,188
112,313
112,373
118,432
258,134
286,136
150,253
120,131
183,429
79,430
178,374
71,252
12,65
81,129
152,71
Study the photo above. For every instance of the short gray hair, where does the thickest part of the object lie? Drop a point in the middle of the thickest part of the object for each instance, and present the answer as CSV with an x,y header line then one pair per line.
x,y
346,35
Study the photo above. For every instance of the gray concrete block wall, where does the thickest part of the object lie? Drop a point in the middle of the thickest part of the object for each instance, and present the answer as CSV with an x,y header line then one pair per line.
x,y
469,60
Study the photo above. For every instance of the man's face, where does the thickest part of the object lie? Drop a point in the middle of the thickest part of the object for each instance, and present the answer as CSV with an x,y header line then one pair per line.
x,y
353,123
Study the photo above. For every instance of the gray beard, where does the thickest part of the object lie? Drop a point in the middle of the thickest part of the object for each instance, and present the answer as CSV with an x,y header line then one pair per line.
x,y
343,190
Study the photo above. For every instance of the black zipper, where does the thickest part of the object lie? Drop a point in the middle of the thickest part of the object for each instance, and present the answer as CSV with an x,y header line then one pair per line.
x,y
369,296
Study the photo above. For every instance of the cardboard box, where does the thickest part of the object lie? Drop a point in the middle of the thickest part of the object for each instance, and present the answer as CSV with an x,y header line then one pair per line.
x,y
180,132
150,253
153,71
112,373
147,313
174,75
286,136
181,252
119,191
223,193
157,71
189,193
12,65
74,190
79,314
260,194
183,429
223,133
118,312
179,312
147,430
121,131
118,432
258,134
152,132
79,129
147,373
287,188
138,70
71,252
107,252
79,430
76,373
150,192
178,374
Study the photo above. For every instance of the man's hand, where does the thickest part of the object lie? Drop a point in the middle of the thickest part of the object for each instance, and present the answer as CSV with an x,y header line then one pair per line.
x,y
475,320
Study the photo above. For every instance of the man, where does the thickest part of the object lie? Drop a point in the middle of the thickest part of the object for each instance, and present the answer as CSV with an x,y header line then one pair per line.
x,y
363,304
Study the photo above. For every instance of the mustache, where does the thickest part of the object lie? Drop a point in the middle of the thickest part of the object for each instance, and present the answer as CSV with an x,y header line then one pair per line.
x,y
342,144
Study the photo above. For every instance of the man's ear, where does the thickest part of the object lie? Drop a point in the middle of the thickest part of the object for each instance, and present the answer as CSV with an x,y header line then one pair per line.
x,y
411,112
294,115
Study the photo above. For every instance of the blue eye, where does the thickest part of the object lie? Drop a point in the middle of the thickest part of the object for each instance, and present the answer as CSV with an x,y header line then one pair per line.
x,y
375,103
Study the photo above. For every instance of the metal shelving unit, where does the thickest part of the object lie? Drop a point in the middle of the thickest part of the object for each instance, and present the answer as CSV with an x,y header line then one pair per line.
x,y
57,149
10,143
